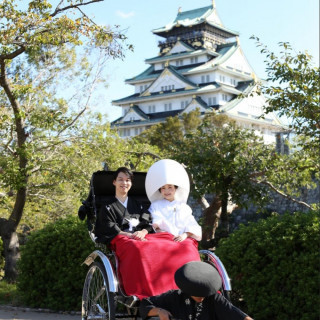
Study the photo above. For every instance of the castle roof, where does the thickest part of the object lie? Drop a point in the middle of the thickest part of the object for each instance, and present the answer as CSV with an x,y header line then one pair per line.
x,y
223,52
195,17
181,55
137,97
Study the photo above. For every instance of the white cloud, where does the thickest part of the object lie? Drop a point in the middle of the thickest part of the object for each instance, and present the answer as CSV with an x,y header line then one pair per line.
x,y
125,15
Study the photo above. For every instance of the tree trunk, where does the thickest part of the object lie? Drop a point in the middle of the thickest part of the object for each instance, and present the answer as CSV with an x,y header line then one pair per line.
x,y
224,218
8,227
10,238
11,251
211,217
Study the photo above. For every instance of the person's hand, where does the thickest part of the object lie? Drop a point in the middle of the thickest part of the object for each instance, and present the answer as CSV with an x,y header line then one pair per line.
x,y
180,237
140,235
164,314
127,234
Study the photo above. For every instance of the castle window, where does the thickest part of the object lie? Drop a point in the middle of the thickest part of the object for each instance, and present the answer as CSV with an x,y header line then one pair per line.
x,y
224,97
233,81
205,78
179,63
222,78
152,109
212,101
167,106
141,89
126,132
184,104
194,60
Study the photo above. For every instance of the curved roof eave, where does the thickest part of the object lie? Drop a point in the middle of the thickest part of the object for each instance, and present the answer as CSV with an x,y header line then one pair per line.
x,y
195,17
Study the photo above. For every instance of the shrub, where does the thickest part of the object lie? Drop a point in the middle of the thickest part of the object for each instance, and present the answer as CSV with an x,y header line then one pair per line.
x,y
1,259
274,266
50,271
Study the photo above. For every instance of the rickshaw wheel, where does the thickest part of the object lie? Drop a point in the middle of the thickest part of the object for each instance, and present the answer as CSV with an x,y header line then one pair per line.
x,y
97,301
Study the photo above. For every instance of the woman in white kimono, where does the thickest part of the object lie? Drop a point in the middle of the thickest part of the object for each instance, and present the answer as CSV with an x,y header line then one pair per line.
x,y
167,186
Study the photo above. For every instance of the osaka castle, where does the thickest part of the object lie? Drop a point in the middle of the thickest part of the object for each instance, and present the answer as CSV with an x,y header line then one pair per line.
x,y
200,65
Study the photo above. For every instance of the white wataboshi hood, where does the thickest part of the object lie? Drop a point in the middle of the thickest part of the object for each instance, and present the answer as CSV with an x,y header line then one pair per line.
x,y
167,171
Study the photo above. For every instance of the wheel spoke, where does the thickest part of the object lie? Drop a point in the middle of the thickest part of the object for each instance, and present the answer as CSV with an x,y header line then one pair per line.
x,y
96,304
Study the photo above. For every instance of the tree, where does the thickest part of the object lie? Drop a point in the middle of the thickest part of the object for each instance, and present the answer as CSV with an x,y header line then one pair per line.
x,y
292,89
56,189
221,159
39,58
238,169
164,134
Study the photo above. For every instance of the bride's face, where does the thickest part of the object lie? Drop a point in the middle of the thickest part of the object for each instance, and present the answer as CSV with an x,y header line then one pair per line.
x,y
168,191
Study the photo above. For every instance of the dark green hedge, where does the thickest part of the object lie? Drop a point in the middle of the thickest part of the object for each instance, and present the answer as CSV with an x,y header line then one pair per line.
x,y
1,258
50,271
274,266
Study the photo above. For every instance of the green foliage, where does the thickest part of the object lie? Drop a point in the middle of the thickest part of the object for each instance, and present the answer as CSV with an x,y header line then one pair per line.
x,y
61,177
274,266
42,25
9,294
1,259
44,49
50,271
221,158
164,135
293,90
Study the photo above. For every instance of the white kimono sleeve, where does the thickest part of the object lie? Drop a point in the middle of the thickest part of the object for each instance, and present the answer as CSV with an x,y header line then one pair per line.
x,y
156,215
191,224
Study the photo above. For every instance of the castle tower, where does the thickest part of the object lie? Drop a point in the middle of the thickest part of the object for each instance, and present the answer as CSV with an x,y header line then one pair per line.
x,y
200,65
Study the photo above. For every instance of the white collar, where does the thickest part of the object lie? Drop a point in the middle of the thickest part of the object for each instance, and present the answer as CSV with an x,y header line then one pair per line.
x,y
125,203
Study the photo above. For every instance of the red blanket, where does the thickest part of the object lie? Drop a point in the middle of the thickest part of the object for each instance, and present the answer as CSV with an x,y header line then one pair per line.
x,y
147,267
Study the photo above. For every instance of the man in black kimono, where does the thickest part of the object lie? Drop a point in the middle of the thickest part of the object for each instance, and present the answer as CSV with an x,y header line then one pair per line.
x,y
197,298
122,214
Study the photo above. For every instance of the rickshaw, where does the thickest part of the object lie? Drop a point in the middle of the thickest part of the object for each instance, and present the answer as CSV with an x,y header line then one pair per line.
x,y
103,295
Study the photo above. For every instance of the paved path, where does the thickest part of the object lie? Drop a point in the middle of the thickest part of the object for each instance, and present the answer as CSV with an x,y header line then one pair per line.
x,y
11,313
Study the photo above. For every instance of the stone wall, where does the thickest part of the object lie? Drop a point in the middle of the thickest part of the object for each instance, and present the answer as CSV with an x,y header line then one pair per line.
x,y
278,204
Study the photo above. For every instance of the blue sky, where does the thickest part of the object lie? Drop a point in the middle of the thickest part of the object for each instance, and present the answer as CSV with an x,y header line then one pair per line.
x,y
273,21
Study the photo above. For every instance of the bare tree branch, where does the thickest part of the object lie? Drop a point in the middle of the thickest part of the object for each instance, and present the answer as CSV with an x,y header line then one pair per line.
x,y
92,87
13,54
153,155
281,193
58,10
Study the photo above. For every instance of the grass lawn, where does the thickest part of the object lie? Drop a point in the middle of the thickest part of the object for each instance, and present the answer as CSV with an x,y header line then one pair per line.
x,y
8,293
